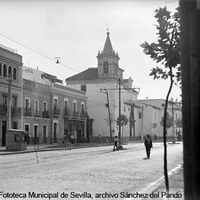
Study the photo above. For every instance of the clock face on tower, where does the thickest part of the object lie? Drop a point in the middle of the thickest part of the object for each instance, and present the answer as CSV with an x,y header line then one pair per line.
x,y
105,67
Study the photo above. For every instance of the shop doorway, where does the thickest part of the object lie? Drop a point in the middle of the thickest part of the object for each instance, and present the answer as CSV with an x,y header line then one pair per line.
x,y
36,139
44,131
54,132
4,125
27,129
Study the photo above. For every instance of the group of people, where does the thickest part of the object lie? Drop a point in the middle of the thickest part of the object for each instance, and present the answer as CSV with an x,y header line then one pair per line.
x,y
69,141
147,143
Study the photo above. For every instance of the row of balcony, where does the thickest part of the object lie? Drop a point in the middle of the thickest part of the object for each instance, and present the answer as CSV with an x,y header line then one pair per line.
x,y
29,112
56,113
14,110
45,114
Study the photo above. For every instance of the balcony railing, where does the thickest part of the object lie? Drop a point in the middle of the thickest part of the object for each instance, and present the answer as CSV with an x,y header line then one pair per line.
x,y
83,114
56,111
3,109
27,111
36,113
45,114
66,112
75,114
15,110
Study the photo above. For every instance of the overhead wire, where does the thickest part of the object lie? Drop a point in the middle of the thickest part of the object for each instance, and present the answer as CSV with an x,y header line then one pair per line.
x,y
49,58
37,52
15,34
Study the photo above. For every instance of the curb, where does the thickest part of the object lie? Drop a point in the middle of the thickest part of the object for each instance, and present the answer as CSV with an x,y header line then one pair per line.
x,y
48,149
154,186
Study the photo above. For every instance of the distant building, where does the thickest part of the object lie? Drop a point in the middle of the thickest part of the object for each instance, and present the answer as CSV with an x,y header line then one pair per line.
x,y
153,113
10,69
101,85
52,110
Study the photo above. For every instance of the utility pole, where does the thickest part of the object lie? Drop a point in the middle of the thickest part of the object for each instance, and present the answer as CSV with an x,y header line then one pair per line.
x,y
51,111
119,133
52,80
142,135
109,117
9,103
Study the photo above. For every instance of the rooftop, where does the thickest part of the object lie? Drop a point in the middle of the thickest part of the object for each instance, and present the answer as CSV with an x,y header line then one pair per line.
x,y
88,74
7,48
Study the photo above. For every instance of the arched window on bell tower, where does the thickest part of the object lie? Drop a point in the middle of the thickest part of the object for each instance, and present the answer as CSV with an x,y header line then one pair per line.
x,y
105,68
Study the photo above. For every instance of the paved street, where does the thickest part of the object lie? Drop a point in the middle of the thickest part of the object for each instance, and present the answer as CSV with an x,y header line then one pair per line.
x,y
85,171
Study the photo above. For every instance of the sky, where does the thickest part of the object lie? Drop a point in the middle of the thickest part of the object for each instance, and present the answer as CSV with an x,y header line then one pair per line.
x,y
75,30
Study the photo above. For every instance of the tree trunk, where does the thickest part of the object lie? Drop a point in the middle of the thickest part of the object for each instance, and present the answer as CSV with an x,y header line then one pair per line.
x,y
165,134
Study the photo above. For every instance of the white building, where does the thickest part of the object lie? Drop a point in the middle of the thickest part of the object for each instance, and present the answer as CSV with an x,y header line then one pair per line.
x,y
101,85
153,112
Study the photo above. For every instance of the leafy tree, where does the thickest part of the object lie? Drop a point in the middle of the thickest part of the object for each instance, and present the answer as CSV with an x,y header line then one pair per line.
x,y
179,122
167,49
166,52
123,119
169,121
154,125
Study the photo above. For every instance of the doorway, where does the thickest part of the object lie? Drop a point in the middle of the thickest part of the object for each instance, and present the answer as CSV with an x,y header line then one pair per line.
x,y
44,134
54,132
27,129
36,138
4,125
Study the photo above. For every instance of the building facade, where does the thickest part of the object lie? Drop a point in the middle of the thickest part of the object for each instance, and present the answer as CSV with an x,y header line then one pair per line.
x,y
10,91
52,110
152,118
107,92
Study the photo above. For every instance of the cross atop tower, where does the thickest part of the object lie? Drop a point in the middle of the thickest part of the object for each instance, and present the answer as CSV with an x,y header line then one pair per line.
x,y
107,29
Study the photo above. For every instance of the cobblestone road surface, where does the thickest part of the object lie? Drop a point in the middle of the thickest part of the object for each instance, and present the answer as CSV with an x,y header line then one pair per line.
x,y
86,171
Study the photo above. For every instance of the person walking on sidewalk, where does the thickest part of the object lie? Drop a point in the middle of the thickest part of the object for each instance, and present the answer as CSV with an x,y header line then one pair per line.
x,y
100,139
72,140
115,144
148,145
67,142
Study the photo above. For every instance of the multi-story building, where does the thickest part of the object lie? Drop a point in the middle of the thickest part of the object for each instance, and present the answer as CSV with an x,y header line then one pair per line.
x,y
152,111
51,109
107,92
10,91
36,106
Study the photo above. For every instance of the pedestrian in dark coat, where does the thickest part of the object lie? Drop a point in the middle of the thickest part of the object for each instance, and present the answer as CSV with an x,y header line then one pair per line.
x,y
148,145
115,143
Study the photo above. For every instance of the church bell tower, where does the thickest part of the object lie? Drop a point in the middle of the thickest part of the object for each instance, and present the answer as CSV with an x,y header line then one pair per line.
x,y
108,61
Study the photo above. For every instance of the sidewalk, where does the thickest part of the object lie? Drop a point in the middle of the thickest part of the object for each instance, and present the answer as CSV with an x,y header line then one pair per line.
x,y
176,187
50,147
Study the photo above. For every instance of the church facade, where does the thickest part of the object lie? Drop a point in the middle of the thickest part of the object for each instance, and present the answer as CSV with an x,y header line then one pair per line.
x,y
108,94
